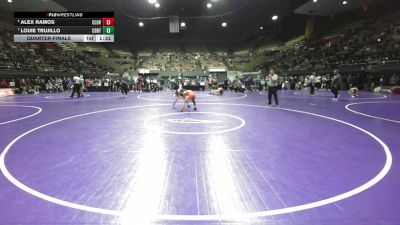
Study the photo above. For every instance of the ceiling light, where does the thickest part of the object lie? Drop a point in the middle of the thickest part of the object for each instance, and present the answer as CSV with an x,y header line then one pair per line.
x,y
9,1
224,24
152,1
141,24
274,17
261,28
157,5
344,2
209,5
315,0
183,24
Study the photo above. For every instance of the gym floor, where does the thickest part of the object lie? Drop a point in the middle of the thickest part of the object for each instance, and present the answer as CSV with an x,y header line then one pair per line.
x,y
105,159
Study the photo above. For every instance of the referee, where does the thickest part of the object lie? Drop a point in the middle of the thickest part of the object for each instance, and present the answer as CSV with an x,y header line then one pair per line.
x,y
272,83
125,84
77,86
336,84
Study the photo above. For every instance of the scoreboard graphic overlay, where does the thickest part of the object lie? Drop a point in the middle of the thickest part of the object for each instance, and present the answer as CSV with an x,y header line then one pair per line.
x,y
64,26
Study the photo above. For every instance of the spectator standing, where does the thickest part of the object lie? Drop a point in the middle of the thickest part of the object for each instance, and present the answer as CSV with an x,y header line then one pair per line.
x,y
12,84
3,84
210,82
312,80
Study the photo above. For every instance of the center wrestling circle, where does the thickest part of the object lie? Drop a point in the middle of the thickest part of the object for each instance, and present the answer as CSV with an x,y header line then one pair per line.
x,y
194,123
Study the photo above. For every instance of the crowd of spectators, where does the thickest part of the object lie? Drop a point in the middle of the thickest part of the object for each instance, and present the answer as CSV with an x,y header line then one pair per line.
x,y
46,57
60,84
179,61
367,44
35,85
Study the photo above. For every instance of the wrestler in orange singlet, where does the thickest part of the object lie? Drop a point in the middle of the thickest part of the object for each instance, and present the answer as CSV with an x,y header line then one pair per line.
x,y
189,95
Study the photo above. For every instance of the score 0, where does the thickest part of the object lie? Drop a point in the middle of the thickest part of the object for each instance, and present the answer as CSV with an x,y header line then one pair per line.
x,y
108,21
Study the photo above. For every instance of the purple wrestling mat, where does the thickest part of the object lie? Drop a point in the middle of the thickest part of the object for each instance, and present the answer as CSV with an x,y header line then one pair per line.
x,y
104,159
